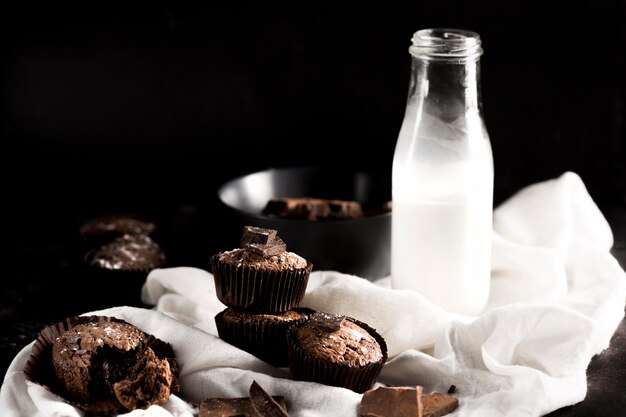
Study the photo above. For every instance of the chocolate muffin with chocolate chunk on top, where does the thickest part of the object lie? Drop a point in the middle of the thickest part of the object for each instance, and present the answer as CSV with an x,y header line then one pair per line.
x,y
336,350
261,275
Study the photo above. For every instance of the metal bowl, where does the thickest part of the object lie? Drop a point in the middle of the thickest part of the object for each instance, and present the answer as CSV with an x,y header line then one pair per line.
x,y
357,246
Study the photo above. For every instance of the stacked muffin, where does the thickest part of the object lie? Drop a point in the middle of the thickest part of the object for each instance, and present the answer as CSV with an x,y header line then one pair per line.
x,y
263,285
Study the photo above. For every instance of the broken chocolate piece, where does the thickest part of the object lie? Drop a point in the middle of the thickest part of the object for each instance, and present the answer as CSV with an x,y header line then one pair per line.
x,y
253,234
232,407
273,248
264,404
437,404
326,321
312,208
452,389
391,402
263,242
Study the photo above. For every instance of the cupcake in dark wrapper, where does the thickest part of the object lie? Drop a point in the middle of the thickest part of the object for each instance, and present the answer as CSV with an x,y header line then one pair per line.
x,y
261,275
103,365
263,335
123,264
336,350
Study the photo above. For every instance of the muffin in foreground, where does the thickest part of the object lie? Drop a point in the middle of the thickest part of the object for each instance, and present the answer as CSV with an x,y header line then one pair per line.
x,y
336,350
261,275
263,335
103,365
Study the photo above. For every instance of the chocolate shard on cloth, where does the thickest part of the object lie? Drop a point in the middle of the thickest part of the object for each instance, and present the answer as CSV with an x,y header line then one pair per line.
x,y
437,404
259,404
391,402
264,404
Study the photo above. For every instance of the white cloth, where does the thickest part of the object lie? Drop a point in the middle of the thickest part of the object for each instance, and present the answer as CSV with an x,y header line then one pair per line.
x,y
557,296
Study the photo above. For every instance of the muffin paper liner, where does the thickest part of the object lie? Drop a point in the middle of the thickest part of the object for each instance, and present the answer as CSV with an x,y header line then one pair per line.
x,y
258,290
40,370
306,366
265,339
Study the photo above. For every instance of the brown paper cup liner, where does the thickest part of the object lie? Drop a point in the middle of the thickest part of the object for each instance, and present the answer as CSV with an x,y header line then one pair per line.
x,y
265,339
305,366
258,290
40,370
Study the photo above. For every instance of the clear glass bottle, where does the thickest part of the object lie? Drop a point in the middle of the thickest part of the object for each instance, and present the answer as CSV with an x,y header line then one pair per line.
x,y
442,177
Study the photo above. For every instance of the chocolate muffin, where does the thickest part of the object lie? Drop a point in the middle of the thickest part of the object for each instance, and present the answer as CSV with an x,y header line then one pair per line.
x,y
104,229
128,253
108,366
122,265
336,350
263,335
261,275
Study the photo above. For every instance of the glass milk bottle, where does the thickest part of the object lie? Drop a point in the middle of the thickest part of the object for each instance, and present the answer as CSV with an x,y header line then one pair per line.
x,y
442,178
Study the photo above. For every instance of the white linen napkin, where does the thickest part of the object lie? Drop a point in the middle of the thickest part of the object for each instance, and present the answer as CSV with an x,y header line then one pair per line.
x,y
557,296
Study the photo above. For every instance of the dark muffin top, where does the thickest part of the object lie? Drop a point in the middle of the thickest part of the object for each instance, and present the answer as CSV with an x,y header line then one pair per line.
x,y
75,353
112,226
241,257
128,252
337,339
263,249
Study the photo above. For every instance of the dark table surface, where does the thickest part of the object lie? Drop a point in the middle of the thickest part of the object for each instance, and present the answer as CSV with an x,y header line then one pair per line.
x,y
45,284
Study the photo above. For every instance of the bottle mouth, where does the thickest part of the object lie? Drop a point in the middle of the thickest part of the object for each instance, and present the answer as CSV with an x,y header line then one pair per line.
x,y
445,44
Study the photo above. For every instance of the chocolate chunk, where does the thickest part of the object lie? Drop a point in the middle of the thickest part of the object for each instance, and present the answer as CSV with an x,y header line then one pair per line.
x,y
312,208
391,402
264,242
252,234
264,404
437,404
232,407
273,248
327,322
452,389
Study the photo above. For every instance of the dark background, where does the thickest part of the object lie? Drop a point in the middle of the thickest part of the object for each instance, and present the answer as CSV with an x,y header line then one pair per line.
x,y
108,109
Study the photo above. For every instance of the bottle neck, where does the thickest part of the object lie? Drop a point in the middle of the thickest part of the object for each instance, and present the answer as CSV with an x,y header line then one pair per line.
x,y
445,76
444,89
